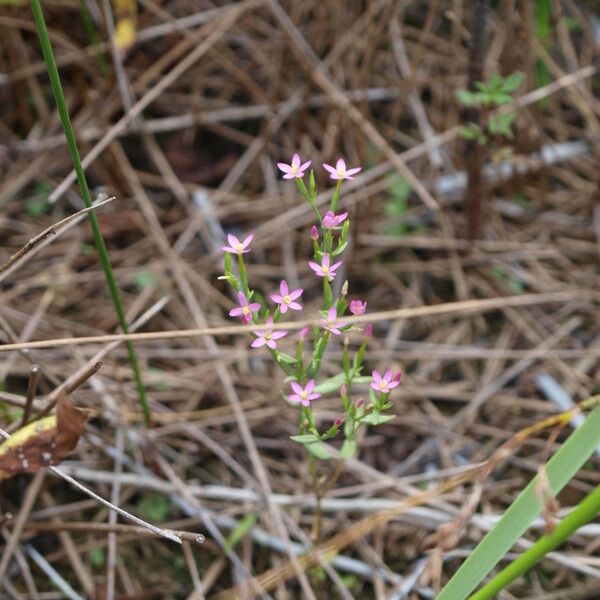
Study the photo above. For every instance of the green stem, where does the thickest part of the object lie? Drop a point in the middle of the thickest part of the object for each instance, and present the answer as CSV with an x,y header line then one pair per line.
x,y
85,192
243,275
587,509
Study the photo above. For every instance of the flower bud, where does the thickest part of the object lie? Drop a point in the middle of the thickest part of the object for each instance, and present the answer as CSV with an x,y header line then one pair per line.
x,y
359,403
369,330
314,233
357,307
303,333
398,377
338,422
343,391
345,289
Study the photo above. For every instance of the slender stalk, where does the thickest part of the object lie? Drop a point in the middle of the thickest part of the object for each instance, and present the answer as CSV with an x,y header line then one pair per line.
x,y
61,104
587,509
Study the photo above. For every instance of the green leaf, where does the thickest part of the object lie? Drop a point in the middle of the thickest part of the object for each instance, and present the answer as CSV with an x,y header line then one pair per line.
x,y
286,358
330,385
501,124
154,506
97,558
560,469
363,379
318,451
305,438
512,82
143,279
468,98
472,132
240,531
375,418
348,449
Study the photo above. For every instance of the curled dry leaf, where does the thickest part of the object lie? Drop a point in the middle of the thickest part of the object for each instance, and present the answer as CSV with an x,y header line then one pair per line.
x,y
43,442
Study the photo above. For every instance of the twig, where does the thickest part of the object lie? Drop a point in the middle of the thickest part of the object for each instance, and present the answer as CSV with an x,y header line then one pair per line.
x,y
34,375
467,306
49,231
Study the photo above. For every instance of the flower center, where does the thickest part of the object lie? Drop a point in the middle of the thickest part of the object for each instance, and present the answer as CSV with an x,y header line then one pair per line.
x,y
287,299
325,268
304,394
267,335
383,384
246,310
240,247
341,172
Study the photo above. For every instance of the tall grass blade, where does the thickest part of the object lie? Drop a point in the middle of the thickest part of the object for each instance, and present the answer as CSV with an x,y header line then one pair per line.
x,y
561,468
587,509
85,192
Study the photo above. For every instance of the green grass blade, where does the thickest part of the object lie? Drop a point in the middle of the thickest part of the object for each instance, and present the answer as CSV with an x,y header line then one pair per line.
x,y
63,111
587,509
560,469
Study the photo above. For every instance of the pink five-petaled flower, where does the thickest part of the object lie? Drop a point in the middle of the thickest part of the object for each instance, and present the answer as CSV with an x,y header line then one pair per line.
x,y
357,307
332,220
267,336
295,169
325,269
244,310
285,298
237,247
340,171
385,383
331,323
303,395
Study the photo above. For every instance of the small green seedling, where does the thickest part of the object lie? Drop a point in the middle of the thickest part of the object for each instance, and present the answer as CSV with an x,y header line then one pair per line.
x,y
487,96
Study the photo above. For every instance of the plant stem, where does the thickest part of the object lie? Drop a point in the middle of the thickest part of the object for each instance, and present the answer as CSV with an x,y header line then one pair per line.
x,y
63,111
587,509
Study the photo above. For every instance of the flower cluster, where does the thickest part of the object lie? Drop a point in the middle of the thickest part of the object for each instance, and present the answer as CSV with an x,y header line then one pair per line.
x,y
329,239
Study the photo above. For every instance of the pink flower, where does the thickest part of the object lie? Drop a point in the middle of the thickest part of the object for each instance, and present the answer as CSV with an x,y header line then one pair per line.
x,y
314,233
286,299
295,169
237,247
303,333
330,323
384,383
332,220
268,336
244,310
303,395
325,269
340,171
357,307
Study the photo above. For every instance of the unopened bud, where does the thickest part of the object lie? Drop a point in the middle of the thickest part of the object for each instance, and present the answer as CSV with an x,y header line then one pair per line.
x,y
359,403
369,330
303,333
398,377
343,391
314,233
345,289
338,422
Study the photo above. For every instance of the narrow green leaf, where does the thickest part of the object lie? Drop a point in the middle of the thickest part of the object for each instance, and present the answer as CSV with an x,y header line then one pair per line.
x,y
348,449
376,418
331,384
240,531
318,451
305,438
560,469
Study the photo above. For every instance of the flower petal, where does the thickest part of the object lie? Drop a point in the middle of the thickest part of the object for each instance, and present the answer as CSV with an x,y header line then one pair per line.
x,y
295,160
376,376
276,335
258,342
330,169
310,386
340,165
276,298
283,288
293,306
283,167
388,375
304,166
354,171
247,240
233,241
296,294
236,312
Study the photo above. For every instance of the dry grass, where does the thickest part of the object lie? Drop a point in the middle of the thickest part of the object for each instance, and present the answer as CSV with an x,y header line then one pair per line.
x,y
185,129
